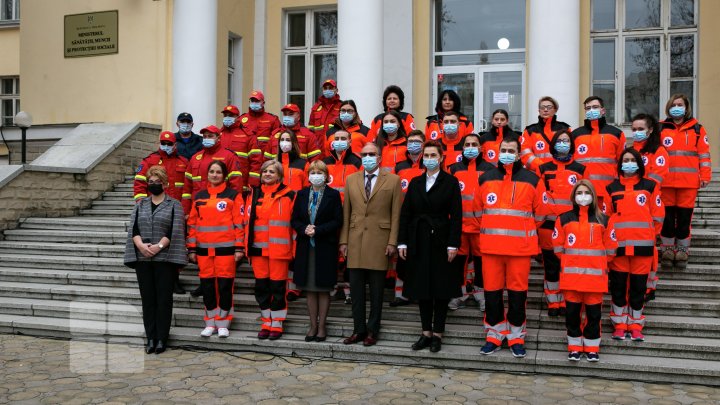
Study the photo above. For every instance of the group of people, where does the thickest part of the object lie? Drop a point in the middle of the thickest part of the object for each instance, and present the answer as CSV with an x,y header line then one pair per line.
x,y
446,214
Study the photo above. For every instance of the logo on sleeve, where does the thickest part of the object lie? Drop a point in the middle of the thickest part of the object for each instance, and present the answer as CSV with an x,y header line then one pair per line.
x,y
706,140
242,210
491,198
613,236
660,161
139,168
658,201
540,145
412,126
545,198
571,239
462,185
458,158
555,233
433,135
645,160
572,179
491,154
404,184
221,206
582,149
667,141
641,200
331,179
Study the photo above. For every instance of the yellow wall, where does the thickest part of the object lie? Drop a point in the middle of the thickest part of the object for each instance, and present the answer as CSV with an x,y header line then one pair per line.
x,y
422,64
10,50
708,84
237,17
128,86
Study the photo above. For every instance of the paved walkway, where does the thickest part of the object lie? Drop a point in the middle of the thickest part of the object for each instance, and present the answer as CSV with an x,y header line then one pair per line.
x,y
48,371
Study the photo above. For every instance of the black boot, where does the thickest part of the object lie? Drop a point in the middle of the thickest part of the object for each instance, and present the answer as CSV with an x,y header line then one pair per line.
x,y
160,347
197,292
150,348
178,287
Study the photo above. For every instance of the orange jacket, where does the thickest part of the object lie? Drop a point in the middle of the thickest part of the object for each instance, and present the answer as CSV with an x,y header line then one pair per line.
x,y
239,141
510,202
598,147
408,170
215,224
408,122
689,151
339,168
468,173
490,143
434,127
637,214
175,166
585,245
197,169
453,151
392,153
358,137
535,142
657,163
323,115
306,140
294,171
559,178
269,232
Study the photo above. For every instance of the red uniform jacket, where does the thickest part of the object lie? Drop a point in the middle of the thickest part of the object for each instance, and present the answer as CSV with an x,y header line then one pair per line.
x,y
322,117
294,171
239,141
408,170
689,151
490,143
657,162
358,137
559,178
392,153
535,148
197,169
268,214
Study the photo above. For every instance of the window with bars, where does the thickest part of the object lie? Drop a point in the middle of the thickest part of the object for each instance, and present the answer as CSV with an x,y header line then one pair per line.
x,y
9,99
642,52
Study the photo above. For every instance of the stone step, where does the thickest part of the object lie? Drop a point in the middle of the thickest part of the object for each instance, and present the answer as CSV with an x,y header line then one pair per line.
x,y
68,236
74,223
112,204
30,249
118,195
112,213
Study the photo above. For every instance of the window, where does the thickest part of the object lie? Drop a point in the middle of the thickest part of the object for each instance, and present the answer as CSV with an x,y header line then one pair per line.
x,y
9,99
234,69
10,10
310,55
643,51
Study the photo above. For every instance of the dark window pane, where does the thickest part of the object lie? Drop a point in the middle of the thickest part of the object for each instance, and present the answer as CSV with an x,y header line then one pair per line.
x,y
682,52
296,30
229,88
642,76
325,68
682,13
480,59
7,108
603,59
468,25
230,52
642,13
296,73
685,87
464,85
17,86
326,28
299,100
607,93
7,86
603,15
6,12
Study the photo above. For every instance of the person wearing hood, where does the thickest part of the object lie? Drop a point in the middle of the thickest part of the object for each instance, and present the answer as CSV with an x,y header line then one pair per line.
x,y
393,100
324,113
447,101
535,149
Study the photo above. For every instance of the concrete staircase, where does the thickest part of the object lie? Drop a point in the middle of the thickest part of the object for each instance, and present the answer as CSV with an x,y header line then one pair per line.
x,y
64,277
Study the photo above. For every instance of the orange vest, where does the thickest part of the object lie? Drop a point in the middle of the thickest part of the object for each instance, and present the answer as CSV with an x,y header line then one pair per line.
x,y
434,127
339,168
408,122
689,152
490,143
175,166
598,147
215,223
638,215
535,142
468,172
197,169
408,170
268,219
358,138
294,171
392,153
453,151
559,178
657,163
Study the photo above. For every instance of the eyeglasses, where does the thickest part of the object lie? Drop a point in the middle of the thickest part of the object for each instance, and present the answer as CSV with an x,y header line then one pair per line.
x,y
155,182
348,111
166,143
547,107
592,107
371,154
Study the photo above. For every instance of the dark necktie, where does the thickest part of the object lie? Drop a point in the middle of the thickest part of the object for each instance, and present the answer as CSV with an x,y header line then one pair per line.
x,y
368,185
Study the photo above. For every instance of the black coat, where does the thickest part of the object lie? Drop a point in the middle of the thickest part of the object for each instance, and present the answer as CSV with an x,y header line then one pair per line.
x,y
328,222
430,222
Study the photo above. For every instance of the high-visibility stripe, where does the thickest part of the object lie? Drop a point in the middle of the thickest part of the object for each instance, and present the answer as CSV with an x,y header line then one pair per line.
x,y
208,245
508,212
575,341
656,177
191,240
254,151
624,243
274,222
270,155
610,252
140,195
234,174
583,270
188,175
559,249
560,201
585,252
539,218
140,177
530,159
254,174
591,345
261,228
186,196
241,154
601,177
596,160
683,170
508,232
467,197
682,153
260,245
196,178
179,184
683,242
280,241
553,298
552,285
704,156
213,228
263,138
705,164
472,214
525,152
516,332
658,219
638,224
313,153
543,155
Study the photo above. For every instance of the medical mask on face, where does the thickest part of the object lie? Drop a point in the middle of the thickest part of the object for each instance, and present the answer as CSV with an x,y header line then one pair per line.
x,y
369,162
450,129
328,93
471,152
256,106
414,148
640,135
184,128
431,164
288,120
155,189
584,200
346,117
228,121
593,114
390,128
507,158
562,147
677,112
629,167
317,179
340,146
208,143
285,146
167,149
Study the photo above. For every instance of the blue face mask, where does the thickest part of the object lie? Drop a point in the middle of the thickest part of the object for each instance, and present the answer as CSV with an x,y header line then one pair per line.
x,y
167,149
340,146
562,147
390,128
208,143
507,158
184,127
288,120
328,93
414,148
228,121
450,129
369,162
640,135
471,152
677,112
593,114
256,106
629,167
431,164
346,117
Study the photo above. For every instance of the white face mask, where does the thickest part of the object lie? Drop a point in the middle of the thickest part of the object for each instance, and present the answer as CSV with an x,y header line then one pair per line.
x,y
584,200
285,146
317,179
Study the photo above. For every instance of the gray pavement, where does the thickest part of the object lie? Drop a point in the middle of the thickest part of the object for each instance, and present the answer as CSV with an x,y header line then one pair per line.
x,y
48,371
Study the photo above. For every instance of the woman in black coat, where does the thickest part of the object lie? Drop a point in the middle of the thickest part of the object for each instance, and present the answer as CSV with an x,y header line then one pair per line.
x,y
430,231
317,218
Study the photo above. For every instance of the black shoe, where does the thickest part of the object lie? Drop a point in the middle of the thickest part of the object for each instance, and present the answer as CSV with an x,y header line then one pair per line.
x,y
196,292
310,338
436,344
292,297
562,311
422,343
150,348
553,312
399,302
650,296
320,338
161,346
179,289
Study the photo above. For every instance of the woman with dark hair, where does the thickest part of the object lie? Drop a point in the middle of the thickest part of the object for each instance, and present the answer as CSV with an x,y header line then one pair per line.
x,y
447,101
490,140
560,175
690,169
393,100
392,141
535,149
294,166
637,215
348,121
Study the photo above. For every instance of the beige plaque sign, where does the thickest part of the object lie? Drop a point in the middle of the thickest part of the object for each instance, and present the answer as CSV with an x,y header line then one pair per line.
x,y
91,34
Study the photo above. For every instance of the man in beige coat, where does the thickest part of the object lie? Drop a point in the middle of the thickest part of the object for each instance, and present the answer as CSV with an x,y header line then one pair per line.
x,y
369,238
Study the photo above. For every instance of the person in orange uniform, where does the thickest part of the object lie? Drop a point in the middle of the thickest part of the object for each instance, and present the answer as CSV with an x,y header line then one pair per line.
x,y
294,166
348,121
646,140
560,175
637,215
598,146
269,244
216,241
535,149
306,138
324,113
490,140
447,101
392,141
585,245
234,137
690,169
468,170
393,100
451,138
510,198
196,175
259,125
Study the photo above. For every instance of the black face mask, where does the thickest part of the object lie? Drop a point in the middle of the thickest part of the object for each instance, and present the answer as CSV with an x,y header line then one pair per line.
x,y
155,189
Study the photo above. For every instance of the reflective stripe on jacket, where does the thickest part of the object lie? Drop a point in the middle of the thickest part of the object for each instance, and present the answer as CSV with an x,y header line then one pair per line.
x,y
196,175
339,168
215,224
468,172
535,147
688,149
637,215
598,147
268,226
559,179
657,163
175,166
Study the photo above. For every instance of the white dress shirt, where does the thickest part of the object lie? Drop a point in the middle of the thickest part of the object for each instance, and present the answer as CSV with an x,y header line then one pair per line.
x,y
374,179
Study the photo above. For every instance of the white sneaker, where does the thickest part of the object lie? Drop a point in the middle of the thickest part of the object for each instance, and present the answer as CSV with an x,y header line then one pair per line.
x,y
455,304
223,332
207,332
